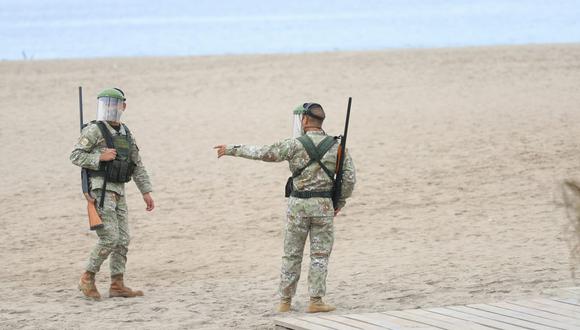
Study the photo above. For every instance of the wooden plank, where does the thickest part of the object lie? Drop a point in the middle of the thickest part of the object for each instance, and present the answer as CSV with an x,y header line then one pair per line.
x,y
511,317
538,313
387,321
561,312
454,321
443,321
328,323
523,316
547,308
476,319
352,322
405,315
559,304
298,324
570,301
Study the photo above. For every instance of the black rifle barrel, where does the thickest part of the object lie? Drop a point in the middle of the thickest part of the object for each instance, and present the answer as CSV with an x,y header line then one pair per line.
x,y
337,187
81,106
84,173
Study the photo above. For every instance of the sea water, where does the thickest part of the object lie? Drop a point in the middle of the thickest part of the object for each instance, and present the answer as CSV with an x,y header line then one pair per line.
x,y
46,29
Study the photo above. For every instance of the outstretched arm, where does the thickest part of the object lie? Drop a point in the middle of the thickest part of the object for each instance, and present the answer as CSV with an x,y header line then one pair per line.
x,y
277,152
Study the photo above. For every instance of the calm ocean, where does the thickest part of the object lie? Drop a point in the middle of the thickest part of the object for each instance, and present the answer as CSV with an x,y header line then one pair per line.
x,y
46,29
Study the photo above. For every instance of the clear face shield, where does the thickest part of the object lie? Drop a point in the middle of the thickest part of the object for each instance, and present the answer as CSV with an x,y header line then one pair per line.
x,y
297,115
110,109
297,129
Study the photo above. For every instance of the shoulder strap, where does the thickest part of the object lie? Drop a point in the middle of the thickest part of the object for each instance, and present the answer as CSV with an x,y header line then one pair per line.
x,y
323,148
325,145
309,146
109,141
129,136
106,134
316,153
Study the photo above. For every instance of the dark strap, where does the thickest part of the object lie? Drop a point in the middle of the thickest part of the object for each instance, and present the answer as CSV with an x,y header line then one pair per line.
x,y
316,153
102,201
129,136
109,141
310,194
106,134
109,138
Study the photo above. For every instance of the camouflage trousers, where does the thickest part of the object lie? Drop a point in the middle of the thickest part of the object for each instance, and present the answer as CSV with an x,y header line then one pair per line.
x,y
321,231
113,237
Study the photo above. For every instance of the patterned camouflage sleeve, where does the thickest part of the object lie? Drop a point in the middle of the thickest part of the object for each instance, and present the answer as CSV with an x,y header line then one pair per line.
x,y
348,181
140,174
84,153
277,152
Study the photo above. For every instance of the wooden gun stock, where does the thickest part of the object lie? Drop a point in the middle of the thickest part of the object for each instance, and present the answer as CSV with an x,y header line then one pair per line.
x,y
338,158
337,186
95,221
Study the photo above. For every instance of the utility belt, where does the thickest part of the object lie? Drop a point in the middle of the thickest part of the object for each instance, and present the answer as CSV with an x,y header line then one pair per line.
x,y
311,194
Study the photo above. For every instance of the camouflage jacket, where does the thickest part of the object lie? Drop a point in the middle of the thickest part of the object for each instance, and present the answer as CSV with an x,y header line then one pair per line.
x,y
88,149
313,178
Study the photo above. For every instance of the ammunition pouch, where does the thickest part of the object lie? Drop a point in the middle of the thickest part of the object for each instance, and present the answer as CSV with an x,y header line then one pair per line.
x,y
119,171
289,187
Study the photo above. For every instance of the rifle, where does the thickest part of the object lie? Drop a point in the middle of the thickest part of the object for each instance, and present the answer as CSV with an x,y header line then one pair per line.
x,y
337,186
95,221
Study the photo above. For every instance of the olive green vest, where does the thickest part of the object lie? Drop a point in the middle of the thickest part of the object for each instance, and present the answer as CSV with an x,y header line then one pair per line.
x,y
121,168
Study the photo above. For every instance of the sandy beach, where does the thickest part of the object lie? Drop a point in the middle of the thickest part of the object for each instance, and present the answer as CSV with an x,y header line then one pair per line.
x,y
459,154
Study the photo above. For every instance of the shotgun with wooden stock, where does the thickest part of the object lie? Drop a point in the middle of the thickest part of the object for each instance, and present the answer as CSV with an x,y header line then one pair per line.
x,y
95,221
337,187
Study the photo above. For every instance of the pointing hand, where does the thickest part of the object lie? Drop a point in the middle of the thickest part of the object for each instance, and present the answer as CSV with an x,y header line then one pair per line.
x,y
221,150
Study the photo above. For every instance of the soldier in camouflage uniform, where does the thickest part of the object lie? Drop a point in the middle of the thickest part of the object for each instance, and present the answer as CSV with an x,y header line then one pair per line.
x,y
93,152
310,208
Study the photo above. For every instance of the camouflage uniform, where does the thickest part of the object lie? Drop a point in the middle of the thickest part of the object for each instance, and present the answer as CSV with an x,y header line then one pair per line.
x,y
114,236
314,215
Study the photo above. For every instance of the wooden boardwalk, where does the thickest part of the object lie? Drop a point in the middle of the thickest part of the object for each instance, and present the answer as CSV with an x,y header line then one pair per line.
x,y
559,311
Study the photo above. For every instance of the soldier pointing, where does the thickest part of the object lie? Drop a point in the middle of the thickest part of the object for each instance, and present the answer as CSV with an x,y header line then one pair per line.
x,y
108,150
312,158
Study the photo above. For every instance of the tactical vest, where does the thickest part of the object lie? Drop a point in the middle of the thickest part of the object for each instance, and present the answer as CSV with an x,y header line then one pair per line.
x,y
315,153
120,169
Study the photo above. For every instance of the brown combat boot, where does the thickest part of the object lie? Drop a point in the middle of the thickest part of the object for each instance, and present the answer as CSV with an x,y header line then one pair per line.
x,y
316,306
87,286
118,288
284,305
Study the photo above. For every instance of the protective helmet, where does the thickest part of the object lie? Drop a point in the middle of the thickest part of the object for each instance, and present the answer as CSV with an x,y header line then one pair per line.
x,y
110,105
299,112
